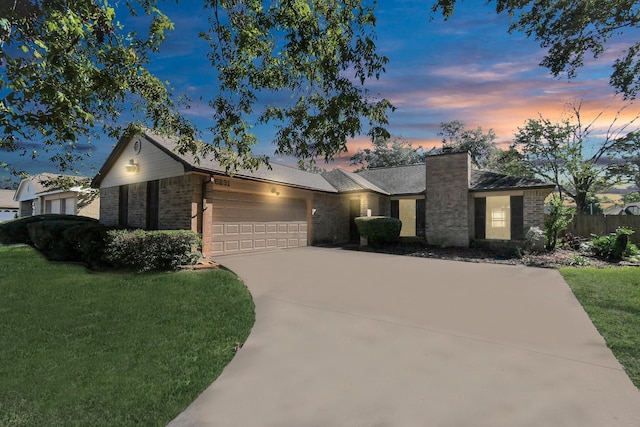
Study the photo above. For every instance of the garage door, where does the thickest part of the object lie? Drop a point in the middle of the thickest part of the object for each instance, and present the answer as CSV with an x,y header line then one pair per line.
x,y
248,222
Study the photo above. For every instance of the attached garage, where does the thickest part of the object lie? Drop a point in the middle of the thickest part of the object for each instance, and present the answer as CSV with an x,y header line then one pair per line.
x,y
250,222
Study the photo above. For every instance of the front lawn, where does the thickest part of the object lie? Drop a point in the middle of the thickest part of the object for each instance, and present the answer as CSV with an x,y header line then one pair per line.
x,y
81,348
611,298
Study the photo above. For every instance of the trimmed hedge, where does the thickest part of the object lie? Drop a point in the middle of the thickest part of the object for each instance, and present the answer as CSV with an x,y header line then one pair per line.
x,y
152,250
16,231
48,237
379,229
89,242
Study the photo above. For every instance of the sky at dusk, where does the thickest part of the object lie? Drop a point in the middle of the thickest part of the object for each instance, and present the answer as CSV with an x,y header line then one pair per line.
x,y
468,68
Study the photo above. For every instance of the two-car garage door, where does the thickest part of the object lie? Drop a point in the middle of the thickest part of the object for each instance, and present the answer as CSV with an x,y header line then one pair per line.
x,y
250,222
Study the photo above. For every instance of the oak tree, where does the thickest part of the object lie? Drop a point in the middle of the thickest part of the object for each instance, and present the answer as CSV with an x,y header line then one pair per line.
x,y
69,69
387,152
480,145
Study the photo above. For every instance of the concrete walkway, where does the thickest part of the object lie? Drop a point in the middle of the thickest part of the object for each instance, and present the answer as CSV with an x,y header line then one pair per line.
x,y
357,339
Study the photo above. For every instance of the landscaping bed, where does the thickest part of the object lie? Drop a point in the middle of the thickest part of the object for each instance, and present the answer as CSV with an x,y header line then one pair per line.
x,y
547,259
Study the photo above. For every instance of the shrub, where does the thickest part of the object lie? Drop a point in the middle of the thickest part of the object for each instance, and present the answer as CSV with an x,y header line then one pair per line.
x,y
558,219
615,246
152,250
379,229
48,237
16,231
89,242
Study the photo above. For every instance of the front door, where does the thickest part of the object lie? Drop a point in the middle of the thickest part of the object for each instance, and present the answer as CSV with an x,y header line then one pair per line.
x,y
354,212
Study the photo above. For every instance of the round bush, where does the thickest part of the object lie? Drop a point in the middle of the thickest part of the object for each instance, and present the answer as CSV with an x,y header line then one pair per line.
x,y
379,229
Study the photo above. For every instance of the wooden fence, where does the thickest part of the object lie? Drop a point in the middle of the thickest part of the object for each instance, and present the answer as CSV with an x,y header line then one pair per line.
x,y
586,225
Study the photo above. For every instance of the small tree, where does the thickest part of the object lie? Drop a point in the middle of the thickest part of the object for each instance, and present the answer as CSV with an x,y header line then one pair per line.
x,y
558,219
577,157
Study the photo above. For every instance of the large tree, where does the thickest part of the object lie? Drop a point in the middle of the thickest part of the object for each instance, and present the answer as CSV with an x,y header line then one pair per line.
x,y
388,152
571,29
69,68
578,157
481,146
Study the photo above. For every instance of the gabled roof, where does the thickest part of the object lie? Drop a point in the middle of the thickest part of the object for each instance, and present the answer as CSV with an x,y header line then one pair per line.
x,y
6,200
34,186
492,181
345,181
627,209
280,174
398,180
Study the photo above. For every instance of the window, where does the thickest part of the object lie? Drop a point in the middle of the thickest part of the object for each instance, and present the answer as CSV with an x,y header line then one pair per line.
x,y
412,214
123,206
499,217
153,196
498,224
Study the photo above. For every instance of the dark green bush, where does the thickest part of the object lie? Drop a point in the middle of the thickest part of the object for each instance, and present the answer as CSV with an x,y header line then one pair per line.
x,y
152,250
615,246
48,237
379,229
89,242
15,231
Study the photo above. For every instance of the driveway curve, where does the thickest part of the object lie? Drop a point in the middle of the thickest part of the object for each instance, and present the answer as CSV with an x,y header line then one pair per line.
x,y
349,339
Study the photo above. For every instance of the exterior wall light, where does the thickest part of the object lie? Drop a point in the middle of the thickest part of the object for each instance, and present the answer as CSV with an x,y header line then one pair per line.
x,y
131,166
275,191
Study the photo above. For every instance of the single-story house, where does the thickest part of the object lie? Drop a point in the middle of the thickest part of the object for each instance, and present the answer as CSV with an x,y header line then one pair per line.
x,y
628,209
145,183
39,194
8,206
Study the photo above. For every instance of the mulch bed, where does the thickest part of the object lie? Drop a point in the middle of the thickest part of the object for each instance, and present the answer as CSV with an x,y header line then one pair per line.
x,y
554,259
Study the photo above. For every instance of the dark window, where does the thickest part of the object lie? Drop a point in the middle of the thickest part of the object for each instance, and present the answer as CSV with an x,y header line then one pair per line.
x,y
517,218
420,216
480,212
395,209
153,196
123,206
354,211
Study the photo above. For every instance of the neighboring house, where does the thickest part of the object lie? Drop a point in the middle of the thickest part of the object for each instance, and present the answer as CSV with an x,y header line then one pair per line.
x,y
628,209
36,196
145,183
8,206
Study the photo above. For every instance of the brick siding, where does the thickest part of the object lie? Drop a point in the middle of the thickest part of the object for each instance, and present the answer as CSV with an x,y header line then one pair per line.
x,y
447,212
109,202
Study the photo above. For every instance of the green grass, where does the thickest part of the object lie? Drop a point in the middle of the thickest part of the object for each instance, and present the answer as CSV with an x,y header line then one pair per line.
x,y
81,348
611,298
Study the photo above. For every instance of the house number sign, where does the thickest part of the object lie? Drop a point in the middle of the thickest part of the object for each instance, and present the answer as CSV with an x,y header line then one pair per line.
x,y
221,181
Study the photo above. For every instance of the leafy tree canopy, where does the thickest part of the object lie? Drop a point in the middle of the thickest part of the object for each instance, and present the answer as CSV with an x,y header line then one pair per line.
x,y
480,145
572,29
388,152
632,197
576,156
68,70
510,162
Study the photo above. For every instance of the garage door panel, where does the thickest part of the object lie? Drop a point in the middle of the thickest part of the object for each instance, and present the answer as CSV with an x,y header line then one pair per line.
x,y
232,229
246,229
272,228
231,246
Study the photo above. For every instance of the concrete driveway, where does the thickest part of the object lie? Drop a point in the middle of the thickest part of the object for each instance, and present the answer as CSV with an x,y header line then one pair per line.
x,y
358,339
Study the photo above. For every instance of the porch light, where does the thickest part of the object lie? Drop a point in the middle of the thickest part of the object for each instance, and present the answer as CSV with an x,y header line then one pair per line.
x,y
131,166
